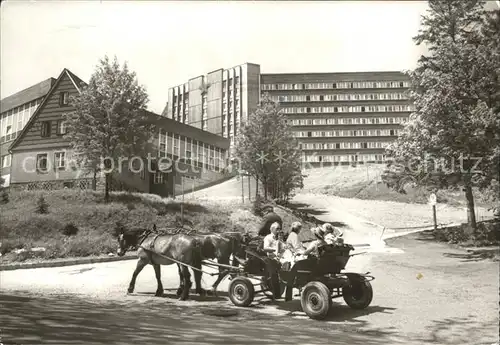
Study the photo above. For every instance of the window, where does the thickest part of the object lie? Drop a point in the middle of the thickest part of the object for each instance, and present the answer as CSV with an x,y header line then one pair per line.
x,y
6,161
61,127
60,160
45,129
158,178
41,163
63,98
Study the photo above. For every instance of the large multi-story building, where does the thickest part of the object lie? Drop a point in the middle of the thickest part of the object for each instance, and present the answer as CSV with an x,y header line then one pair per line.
x,y
342,117
217,102
16,111
40,156
337,117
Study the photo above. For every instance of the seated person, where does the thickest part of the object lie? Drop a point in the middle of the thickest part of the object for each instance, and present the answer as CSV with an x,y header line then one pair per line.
x,y
293,238
332,234
319,232
270,217
272,244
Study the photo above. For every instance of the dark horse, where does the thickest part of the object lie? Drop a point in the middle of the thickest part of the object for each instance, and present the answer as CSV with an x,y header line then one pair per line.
x,y
179,247
221,246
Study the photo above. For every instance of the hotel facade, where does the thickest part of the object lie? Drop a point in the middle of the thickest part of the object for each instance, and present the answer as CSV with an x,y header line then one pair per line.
x,y
337,117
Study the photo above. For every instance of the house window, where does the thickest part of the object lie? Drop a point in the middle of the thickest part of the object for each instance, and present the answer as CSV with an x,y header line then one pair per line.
x,y
60,160
61,127
45,132
64,98
158,178
6,161
163,149
188,157
41,163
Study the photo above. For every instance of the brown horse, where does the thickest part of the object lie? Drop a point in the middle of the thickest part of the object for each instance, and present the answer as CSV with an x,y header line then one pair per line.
x,y
221,246
179,247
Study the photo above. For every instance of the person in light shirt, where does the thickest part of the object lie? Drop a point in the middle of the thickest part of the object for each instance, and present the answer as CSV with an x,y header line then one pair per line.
x,y
293,247
293,238
271,242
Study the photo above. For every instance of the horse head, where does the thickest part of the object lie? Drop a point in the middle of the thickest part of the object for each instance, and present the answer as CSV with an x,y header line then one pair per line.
x,y
131,239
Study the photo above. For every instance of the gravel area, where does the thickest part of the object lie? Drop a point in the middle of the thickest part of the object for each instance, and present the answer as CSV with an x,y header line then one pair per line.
x,y
425,293
387,213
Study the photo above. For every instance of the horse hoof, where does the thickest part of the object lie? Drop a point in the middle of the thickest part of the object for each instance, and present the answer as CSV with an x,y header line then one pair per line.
x,y
182,298
179,293
159,294
201,292
130,290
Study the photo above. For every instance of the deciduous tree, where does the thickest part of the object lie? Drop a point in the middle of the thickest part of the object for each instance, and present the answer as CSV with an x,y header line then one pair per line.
x,y
452,138
109,121
268,151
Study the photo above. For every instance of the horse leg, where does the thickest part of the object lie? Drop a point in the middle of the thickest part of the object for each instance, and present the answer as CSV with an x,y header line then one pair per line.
x,y
159,289
222,272
140,265
181,281
187,283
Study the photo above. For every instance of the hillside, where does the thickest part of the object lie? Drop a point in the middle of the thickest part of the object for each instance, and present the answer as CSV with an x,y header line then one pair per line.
x,y
79,223
361,182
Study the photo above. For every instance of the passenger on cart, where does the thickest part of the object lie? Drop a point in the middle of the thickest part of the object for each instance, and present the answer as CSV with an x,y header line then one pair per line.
x,y
270,217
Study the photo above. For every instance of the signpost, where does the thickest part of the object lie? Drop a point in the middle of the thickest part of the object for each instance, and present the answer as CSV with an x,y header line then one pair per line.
x,y
433,202
249,191
242,175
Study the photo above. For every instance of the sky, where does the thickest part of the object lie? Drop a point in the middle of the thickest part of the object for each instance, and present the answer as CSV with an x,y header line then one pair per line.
x,y
167,42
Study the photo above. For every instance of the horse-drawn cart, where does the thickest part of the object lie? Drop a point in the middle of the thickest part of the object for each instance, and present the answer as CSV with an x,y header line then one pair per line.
x,y
320,279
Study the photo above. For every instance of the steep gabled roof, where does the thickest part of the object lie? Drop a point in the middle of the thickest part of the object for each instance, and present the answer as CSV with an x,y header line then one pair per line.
x,y
29,94
33,118
76,81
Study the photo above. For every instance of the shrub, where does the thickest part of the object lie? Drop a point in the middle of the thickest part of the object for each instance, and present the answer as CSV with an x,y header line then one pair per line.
x,y
69,229
487,233
42,207
257,206
4,197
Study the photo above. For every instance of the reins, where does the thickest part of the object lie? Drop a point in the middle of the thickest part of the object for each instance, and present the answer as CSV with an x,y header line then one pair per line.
x,y
181,263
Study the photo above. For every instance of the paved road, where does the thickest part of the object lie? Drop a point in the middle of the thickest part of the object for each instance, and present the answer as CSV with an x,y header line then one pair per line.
x,y
455,302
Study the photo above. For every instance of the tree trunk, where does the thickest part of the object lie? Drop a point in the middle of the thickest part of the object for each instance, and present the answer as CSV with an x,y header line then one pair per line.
x,y
265,187
256,187
106,188
471,215
94,181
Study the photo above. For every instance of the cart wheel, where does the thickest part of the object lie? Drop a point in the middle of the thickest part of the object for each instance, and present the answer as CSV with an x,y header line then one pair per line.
x,y
358,294
241,292
315,300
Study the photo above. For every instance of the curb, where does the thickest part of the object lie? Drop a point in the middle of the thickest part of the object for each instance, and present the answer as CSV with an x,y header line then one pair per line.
x,y
28,265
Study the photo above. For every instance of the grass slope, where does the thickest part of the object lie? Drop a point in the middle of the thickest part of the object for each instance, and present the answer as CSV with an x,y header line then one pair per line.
x,y
96,222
